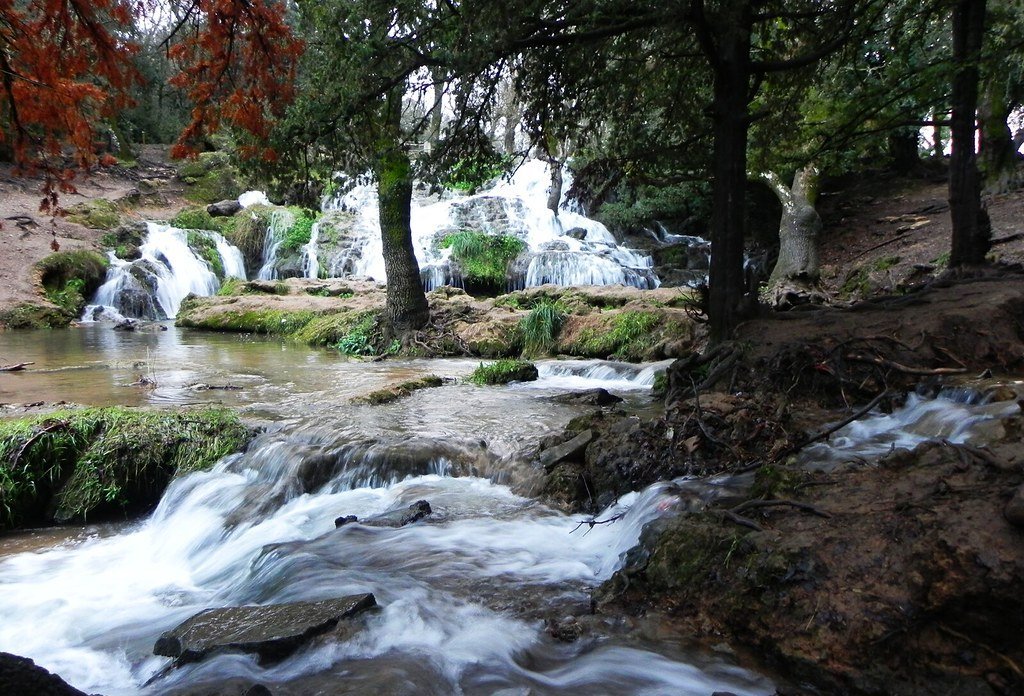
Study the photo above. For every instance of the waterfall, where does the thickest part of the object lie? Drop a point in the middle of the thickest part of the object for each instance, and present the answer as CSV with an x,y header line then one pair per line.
x,y
310,262
563,249
280,220
153,286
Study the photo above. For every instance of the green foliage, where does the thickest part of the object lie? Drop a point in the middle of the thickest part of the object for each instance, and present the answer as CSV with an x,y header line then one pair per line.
x,y
103,461
205,248
194,218
232,286
363,336
540,328
503,372
276,322
300,231
639,206
27,315
248,230
97,214
470,173
482,258
210,177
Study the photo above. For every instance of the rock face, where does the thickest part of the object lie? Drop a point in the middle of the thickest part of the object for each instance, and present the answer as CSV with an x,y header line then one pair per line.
x,y
20,676
271,632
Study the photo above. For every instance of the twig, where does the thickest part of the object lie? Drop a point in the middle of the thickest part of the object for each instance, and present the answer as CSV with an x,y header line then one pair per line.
x,y
48,428
824,434
757,504
906,369
592,522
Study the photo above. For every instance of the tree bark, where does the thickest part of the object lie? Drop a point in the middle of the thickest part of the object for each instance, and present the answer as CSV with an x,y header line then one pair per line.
x,y
798,231
406,307
971,228
731,123
997,154
549,154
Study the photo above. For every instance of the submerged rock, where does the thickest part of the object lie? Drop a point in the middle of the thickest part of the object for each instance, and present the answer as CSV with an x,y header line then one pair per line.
x,y
270,632
394,518
591,397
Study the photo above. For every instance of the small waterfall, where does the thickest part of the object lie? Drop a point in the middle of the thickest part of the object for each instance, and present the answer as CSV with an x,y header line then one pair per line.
x,y
310,262
280,220
567,249
588,374
153,286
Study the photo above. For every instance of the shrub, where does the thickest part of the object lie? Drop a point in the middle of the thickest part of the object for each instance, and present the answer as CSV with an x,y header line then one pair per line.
x,y
503,372
540,328
300,231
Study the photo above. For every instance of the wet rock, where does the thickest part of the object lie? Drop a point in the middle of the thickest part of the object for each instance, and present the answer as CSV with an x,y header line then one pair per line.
x,y
270,632
590,397
225,208
20,675
553,455
1014,510
393,518
577,233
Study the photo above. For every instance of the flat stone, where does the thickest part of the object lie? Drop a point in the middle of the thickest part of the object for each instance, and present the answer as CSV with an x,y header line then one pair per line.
x,y
272,632
591,397
553,455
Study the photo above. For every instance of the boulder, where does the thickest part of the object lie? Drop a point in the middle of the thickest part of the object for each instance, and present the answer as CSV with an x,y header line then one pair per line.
x,y
20,675
590,397
577,233
553,455
225,208
393,518
270,632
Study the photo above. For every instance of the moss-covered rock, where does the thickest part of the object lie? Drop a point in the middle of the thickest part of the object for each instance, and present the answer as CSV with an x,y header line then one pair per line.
x,y
29,315
398,391
210,177
503,372
203,245
99,463
125,240
68,279
97,214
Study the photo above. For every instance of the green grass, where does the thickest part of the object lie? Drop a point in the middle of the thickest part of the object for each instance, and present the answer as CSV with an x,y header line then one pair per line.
x,y
540,328
70,277
96,462
628,336
503,372
98,214
483,258
300,231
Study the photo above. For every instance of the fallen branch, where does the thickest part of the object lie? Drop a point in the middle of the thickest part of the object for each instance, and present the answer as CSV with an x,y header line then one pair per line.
x,y
906,369
48,428
592,522
16,367
742,521
824,434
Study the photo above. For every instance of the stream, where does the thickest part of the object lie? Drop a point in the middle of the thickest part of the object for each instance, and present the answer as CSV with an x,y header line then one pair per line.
x,y
466,595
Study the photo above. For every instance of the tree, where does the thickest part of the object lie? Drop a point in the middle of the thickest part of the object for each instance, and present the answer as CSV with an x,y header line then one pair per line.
x,y
66,69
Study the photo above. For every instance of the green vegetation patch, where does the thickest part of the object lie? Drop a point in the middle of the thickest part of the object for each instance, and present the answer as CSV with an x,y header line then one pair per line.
x,y
210,178
27,315
247,231
483,258
69,278
629,335
205,248
276,322
503,372
97,214
100,462
125,240
300,231
399,391
540,328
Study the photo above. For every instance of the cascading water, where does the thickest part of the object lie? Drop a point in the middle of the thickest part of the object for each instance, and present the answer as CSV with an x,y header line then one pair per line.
x,y
153,286
567,249
280,220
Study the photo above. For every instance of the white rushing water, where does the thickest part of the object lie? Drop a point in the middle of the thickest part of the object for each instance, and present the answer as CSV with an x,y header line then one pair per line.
x,y
250,532
563,249
153,286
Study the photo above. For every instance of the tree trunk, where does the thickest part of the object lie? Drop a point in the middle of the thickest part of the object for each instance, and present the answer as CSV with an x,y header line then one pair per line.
x,y
549,154
436,113
997,154
971,228
730,125
406,307
903,151
797,269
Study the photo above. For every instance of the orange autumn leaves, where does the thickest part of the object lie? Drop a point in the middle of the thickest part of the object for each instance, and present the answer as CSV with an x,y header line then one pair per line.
x,y
66,67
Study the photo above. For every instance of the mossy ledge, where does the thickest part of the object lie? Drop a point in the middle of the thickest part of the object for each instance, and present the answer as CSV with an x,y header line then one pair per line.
x,y
398,391
105,463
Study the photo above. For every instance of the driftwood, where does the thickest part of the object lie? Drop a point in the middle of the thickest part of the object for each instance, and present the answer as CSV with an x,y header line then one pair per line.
x,y
906,369
17,367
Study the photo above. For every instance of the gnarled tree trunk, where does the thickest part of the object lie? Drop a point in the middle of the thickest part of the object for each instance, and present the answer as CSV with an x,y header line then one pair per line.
x,y
406,307
797,270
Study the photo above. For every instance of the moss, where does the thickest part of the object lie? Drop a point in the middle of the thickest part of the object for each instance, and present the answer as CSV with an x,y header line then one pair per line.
x,y
300,231
247,231
205,248
210,178
628,335
276,322
125,240
194,218
32,316
399,391
503,372
232,287
859,281
97,214
98,462
69,278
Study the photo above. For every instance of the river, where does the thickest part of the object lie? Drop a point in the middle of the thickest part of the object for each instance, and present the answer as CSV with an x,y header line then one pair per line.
x,y
466,596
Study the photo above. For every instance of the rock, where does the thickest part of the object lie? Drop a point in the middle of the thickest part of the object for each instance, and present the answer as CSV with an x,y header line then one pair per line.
x,y
20,675
591,397
225,208
399,518
271,632
346,519
553,455
1014,510
577,233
